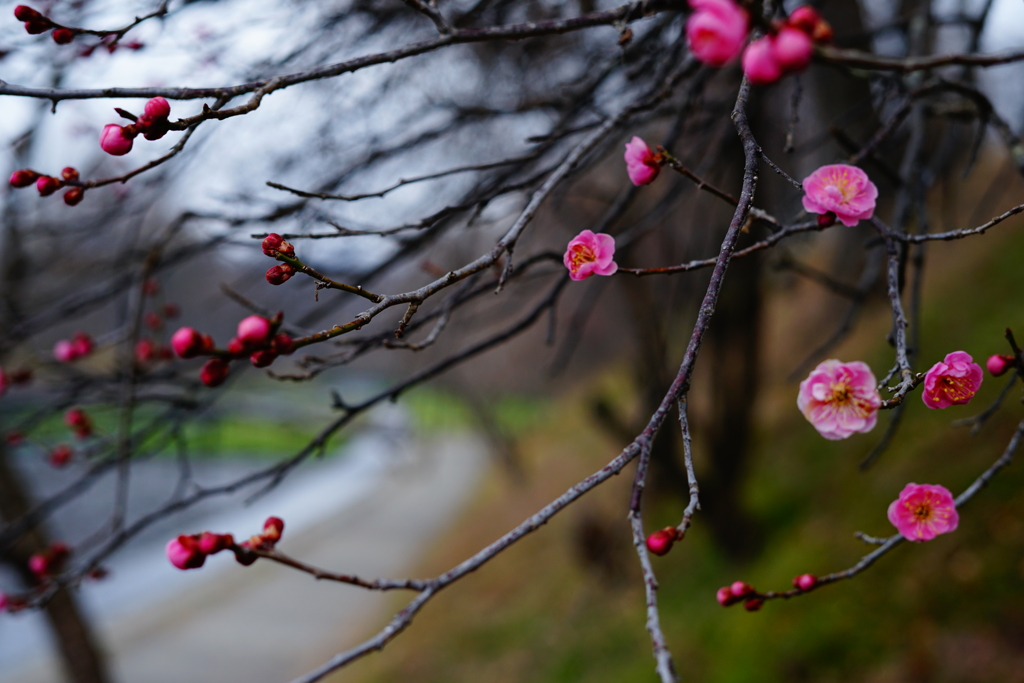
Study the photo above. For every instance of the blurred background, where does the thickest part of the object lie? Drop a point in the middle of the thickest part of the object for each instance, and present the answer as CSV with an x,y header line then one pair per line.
x,y
412,486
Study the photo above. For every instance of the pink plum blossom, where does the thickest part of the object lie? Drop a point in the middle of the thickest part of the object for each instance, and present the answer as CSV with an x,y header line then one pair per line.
x,y
999,364
254,330
760,63
642,164
589,254
113,140
954,381
923,511
716,30
843,190
840,399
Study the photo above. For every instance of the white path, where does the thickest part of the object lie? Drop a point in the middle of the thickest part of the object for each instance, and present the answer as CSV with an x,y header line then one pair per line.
x,y
227,623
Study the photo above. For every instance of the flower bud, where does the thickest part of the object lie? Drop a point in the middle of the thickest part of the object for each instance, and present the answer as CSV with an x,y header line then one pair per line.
x,y
793,49
74,196
36,26
273,244
660,542
753,604
211,543
282,345
157,108
61,455
999,364
243,555
805,18
272,529
48,185
826,219
280,274
23,177
184,553
236,347
805,582
39,565
78,420
741,589
145,351
113,140
171,310
187,343
69,173
214,372
823,32
760,63
254,330
26,13
62,36
153,321
64,351
725,596
262,359
82,344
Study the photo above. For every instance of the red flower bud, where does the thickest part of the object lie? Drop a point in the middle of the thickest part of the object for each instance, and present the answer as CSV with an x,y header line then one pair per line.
x,y
805,582
280,274
82,344
61,455
753,604
26,13
69,173
262,359
157,108
254,330
114,139
152,321
150,287
39,565
187,343
62,36
79,421
37,26
272,529
211,543
74,196
236,347
243,555
805,18
273,244
826,220
660,542
725,596
153,128
184,552
145,351
171,310
47,185
214,372
999,364
282,345
741,589
23,178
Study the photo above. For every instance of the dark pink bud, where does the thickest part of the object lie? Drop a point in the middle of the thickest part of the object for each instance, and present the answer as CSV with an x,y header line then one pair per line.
x,y
157,108
23,178
236,347
145,351
254,330
62,36
79,421
999,364
26,13
283,345
660,542
826,220
74,196
272,529
741,589
273,244
280,274
805,582
184,553
37,26
805,18
171,310
214,372
48,185
82,344
262,359
793,49
753,604
211,544
64,351
61,455
113,140
153,321
208,345
69,173
187,343
725,596
39,565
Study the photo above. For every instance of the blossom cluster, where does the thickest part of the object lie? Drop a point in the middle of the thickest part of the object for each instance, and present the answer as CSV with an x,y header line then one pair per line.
x,y
256,337
35,23
191,551
47,185
152,125
718,30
